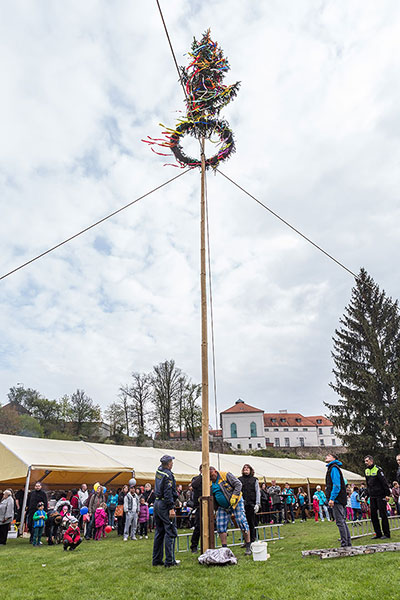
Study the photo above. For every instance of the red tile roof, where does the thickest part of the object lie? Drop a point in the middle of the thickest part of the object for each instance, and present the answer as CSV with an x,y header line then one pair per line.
x,y
290,420
240,407
325,422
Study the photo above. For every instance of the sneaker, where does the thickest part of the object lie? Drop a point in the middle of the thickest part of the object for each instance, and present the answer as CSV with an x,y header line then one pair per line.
x,y
146,537
247,552
174,564
385,537
134,537
140,537
125,539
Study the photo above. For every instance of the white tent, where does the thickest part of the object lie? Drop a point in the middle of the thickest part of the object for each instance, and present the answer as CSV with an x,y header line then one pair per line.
x,y
64,464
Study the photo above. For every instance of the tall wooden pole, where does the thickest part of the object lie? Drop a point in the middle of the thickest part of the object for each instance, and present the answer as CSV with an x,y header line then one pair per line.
x,y
205,534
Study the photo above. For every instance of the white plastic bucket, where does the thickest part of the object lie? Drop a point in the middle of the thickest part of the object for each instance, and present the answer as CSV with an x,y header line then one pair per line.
x,y
259,550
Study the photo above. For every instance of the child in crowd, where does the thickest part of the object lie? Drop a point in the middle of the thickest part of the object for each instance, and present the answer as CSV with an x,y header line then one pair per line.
x,y
72,537
39,519
349,510
315,505
100,521
356,504
143,518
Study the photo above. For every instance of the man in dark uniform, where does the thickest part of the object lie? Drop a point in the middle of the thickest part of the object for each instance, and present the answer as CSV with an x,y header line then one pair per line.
x,y
197,484
164,514
379,492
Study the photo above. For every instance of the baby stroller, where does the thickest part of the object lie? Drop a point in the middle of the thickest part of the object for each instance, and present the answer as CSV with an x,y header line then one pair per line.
x,y
62,528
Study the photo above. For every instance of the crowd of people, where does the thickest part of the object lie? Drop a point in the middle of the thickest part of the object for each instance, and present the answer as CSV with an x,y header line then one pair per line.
x,y
135,511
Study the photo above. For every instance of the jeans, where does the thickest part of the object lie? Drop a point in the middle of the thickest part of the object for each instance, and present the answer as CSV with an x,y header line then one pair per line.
x,y
289,509
357,514
37,534
339,512
143,528
277,512
166,534
131,518
111,513
323,509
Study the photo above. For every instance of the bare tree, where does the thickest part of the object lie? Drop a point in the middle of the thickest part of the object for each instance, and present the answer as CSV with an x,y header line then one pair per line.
x,y
191,410
139,392
166,384
116,418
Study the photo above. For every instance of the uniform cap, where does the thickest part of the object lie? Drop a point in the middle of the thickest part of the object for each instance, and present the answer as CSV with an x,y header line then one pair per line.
x,y
166,458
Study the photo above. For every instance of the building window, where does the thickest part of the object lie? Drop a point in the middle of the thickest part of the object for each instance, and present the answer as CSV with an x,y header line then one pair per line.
x,y
266,428
319,421
287,442
250,446
253,429
305,428
286,429
333,442
283,420
332,431
238,446
301,441
295,428
320,430
233,430
267,440
277,442
276,429
322,442
298,420
258,445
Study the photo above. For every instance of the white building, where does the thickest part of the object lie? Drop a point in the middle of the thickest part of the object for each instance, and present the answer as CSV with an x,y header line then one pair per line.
x,y
243,426
249,428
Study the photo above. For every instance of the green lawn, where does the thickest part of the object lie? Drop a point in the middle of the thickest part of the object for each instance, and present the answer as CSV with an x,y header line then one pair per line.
x,y
111,569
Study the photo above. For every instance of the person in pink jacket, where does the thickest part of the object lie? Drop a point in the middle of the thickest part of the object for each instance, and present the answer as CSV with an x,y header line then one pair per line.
x,y
100,521
143,518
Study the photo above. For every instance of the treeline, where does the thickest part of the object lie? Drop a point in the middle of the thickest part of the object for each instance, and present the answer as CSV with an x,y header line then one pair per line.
x,y
163,400
31,414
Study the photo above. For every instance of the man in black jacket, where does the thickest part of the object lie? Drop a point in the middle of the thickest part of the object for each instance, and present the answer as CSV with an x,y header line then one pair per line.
x,y
197,484
35,496
379,492
335,490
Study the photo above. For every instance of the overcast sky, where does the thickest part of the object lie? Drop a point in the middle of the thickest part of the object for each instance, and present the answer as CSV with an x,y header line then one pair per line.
x,y
317,125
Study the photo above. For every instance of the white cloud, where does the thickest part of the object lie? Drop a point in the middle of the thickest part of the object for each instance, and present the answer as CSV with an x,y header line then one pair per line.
x,y
316,123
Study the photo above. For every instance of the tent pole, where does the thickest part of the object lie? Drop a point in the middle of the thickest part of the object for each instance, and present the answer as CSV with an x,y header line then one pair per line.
x,y
113,477
205,453
21,525
309,492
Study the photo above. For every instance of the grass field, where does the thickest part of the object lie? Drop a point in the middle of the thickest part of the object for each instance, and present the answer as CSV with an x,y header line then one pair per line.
x,y
111,569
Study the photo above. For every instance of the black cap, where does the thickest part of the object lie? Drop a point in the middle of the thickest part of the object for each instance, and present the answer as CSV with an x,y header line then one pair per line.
x,y
166,458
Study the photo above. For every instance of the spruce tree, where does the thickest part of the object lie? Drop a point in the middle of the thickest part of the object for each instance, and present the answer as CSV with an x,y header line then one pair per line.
x,y
366,357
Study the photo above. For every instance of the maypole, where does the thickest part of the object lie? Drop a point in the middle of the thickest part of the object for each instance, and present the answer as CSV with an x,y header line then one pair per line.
x,y
205,96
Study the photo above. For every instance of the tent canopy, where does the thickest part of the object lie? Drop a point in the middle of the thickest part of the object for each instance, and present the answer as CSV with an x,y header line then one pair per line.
x,y
61,464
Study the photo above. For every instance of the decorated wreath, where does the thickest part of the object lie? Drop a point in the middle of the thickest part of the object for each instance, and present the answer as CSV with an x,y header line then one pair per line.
x,y
206,95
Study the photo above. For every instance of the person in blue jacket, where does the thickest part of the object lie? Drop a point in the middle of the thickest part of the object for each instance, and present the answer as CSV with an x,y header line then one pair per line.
x,y
355,503
335,488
